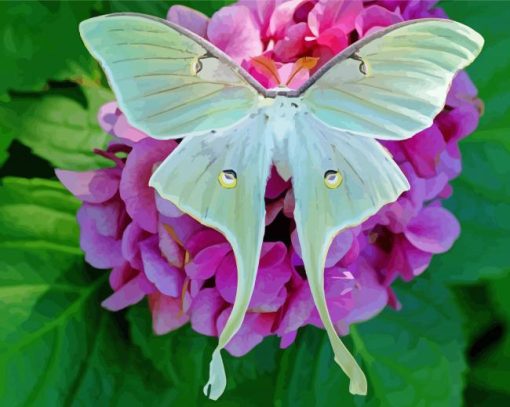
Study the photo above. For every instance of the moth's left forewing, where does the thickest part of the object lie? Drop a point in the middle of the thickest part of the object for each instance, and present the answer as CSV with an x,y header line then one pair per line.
x,y
168,81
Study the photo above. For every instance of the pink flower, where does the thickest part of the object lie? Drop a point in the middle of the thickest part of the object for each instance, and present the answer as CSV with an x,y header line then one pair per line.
x,y
188,271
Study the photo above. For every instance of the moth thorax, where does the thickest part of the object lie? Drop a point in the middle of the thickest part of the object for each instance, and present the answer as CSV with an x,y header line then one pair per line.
x,y
333,179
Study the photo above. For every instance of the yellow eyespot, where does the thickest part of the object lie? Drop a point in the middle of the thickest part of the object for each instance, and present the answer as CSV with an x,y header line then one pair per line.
x,y
228,179
333,179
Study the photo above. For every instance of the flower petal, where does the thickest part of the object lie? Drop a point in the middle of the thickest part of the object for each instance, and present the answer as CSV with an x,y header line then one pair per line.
x,y
167,314
253,330
434,230
233,30
167,279
91,186
205,310
129,294
101,251
188,18
134,185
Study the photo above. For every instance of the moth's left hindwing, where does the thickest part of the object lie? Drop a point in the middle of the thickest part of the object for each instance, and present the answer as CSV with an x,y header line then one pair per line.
x,y
220,179
166,82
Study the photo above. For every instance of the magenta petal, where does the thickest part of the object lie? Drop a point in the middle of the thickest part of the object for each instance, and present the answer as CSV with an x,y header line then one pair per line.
x,y
253,330
107,217
272,210
166,208
288,339
282,17
261,10
334,39
182,229
125,131
292,44
339,246
107,116
167,314
101,251
129,294
275,185
272,254
170,249
418,260
134,185
374,17
458,123
167,279
339,13
233,30
91,186
423,150
133,235
370,296
462,90
120,275
202,239
338,286
299,309
434,230
188,18
205,309
273,273
205,263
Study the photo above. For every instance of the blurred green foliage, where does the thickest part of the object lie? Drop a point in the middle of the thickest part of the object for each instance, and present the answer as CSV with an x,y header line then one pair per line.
x,y
451,341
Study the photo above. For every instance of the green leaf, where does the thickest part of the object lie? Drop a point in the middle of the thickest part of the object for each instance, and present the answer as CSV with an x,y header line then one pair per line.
x,y
411,357
490,70
40,42
57,346
159,8
6,135
183,357
491,371
488,377
481,201
57,127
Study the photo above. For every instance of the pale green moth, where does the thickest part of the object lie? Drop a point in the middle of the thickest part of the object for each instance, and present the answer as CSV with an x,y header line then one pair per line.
x,y
170,83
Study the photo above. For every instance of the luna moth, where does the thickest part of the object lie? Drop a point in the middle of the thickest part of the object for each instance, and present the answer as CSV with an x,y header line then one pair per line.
x,y
170,83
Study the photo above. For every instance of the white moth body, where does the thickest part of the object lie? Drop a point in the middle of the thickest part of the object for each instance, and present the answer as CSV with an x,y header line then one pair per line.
x,y
281,125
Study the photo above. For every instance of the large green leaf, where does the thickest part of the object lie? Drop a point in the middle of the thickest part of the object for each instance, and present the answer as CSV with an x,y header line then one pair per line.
x,y
160,8
490,71
58,127
489,373
481,201
57,346
183,356
40,42
411,357
6,131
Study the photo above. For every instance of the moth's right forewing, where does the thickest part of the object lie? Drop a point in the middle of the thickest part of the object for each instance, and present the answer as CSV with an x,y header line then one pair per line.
x,y
392,84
